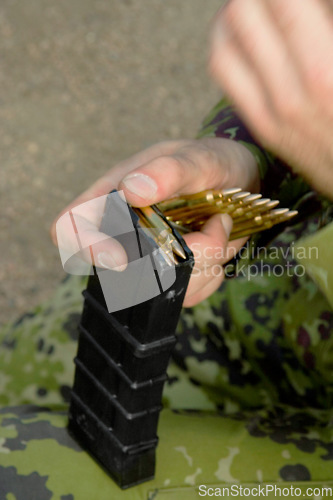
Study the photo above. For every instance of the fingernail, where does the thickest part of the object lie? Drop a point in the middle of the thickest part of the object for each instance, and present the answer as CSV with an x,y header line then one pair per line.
x,y
107,261
227,224
141,185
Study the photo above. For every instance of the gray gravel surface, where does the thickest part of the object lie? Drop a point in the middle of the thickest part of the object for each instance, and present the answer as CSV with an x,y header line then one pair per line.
x,y
85,83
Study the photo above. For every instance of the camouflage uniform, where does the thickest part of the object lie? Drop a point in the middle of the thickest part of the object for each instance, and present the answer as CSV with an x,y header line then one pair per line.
x,y
249,396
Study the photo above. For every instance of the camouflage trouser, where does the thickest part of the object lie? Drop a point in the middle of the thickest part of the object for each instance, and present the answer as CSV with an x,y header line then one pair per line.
x,y
248,401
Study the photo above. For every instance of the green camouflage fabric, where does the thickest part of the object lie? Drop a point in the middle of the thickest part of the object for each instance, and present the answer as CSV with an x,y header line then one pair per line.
x,y
266,337
248,401
40,460
207,435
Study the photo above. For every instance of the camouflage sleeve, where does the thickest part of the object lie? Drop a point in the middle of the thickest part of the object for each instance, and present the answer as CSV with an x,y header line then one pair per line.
x,y
278,181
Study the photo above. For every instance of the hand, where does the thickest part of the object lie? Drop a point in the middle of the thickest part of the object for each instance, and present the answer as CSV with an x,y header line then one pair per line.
x,y
160,172
274,58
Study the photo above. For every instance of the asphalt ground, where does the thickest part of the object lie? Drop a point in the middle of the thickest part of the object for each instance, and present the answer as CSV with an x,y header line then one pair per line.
x,y
84,84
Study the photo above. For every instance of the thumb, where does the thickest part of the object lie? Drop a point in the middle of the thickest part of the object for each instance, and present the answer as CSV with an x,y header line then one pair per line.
x,y
194,167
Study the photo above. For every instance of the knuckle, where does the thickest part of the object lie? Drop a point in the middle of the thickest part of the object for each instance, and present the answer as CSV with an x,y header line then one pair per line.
x,y
208,155
165,162
172,165
252,44
205,163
